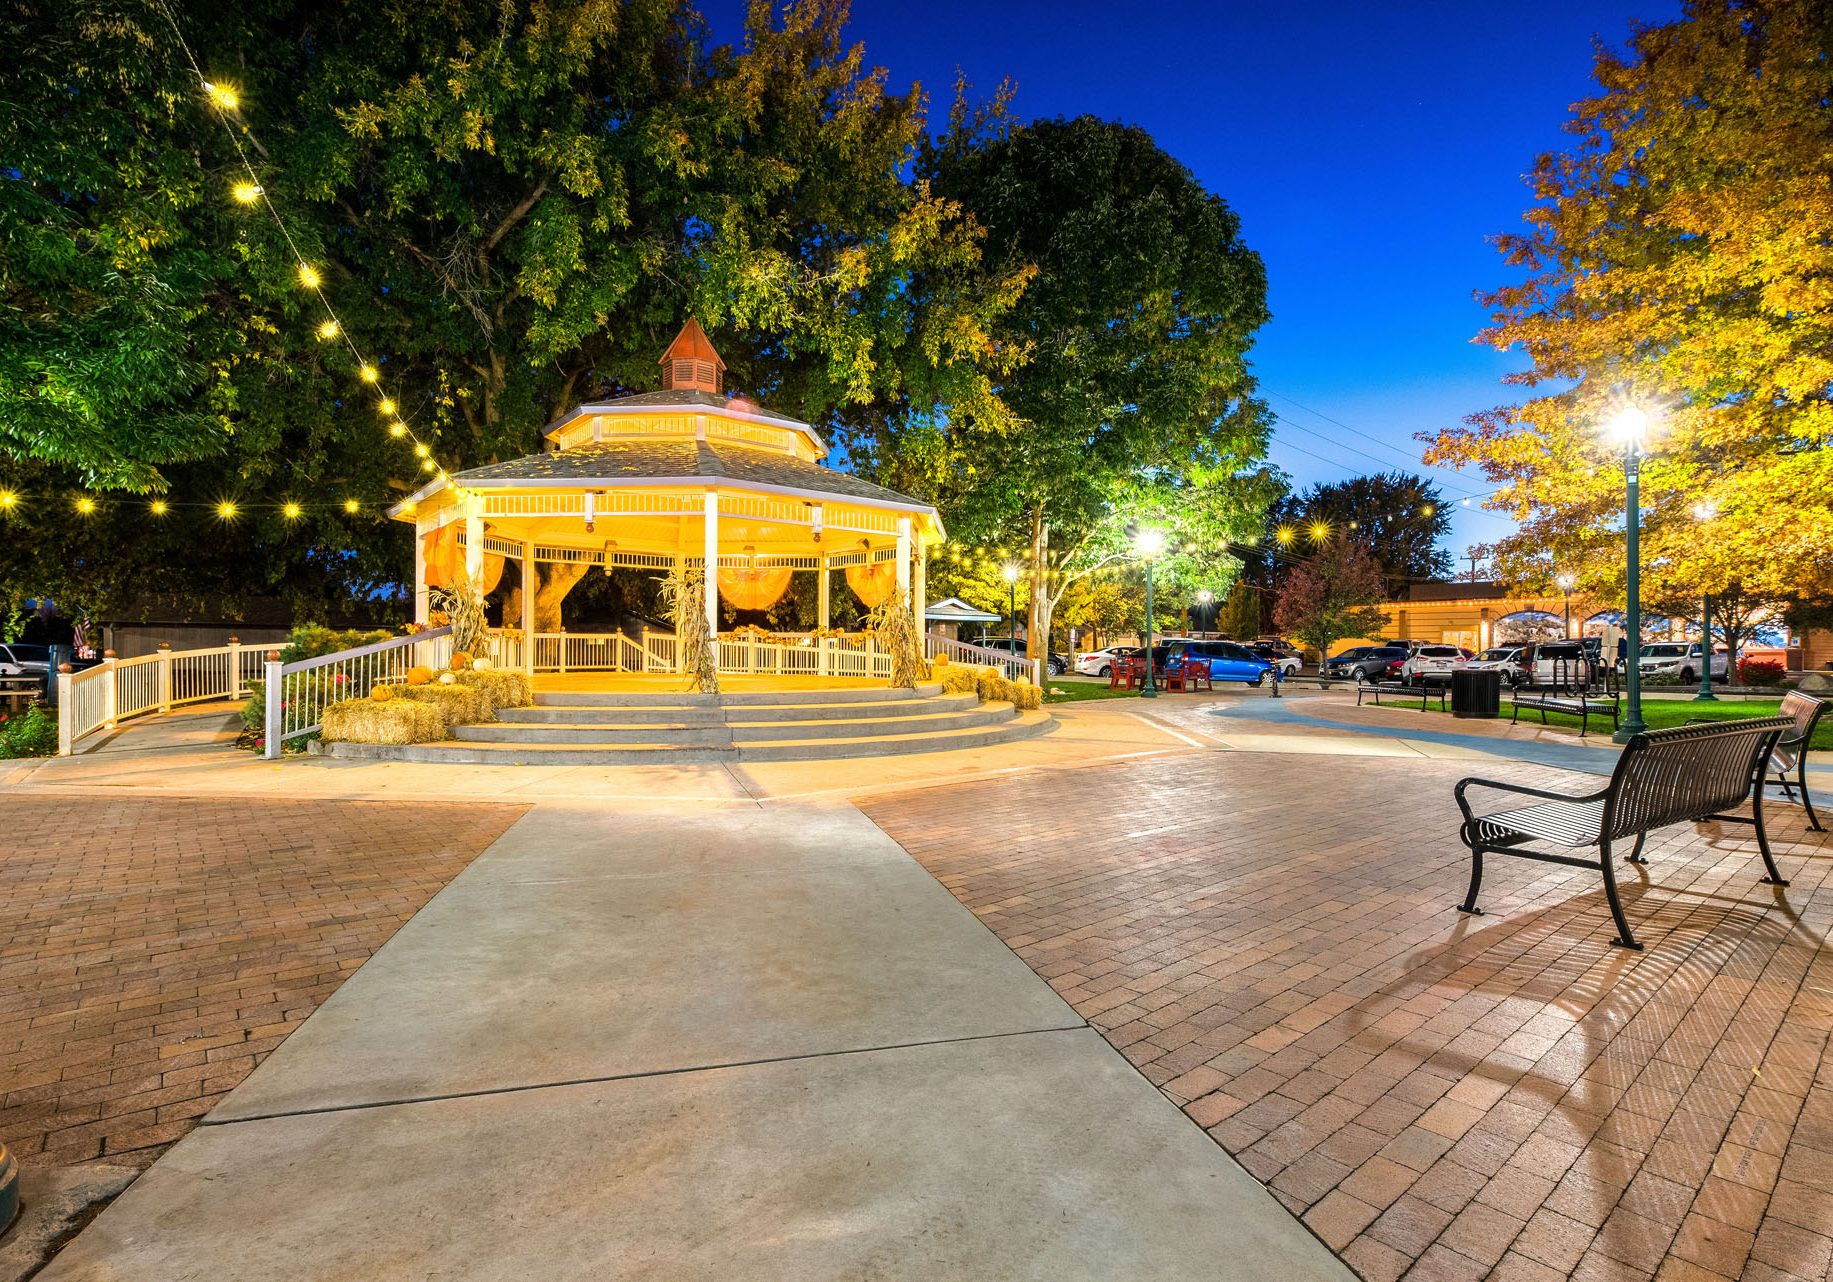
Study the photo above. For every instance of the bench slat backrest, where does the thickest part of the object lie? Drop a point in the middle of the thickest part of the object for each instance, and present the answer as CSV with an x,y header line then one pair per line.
x,y
1804,710
1669,776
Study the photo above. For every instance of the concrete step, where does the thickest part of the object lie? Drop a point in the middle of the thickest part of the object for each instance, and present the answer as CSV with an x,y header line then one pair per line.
x,y
646,735
982,714
617,733
1024,725
743,698
573,714
812,710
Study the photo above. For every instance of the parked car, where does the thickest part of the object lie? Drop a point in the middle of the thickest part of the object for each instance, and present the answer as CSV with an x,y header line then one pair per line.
x,y
1228,660
1286,660
1369,663
1100,663
1055,666
1681,659
1432,663
1562,663
1506,659
17,660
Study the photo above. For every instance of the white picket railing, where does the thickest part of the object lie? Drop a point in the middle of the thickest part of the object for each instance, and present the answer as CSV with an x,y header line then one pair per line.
x,y
1012,665
117,690
296,693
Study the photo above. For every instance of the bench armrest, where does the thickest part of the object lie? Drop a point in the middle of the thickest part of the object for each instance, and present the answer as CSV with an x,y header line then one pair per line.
x,y
1519,789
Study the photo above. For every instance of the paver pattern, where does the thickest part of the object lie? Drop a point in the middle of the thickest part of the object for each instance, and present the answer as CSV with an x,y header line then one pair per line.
x,y
153,951
1271,939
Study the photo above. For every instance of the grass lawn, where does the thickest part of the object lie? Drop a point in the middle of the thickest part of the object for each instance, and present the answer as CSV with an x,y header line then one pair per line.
x,y
1057,690
1662,713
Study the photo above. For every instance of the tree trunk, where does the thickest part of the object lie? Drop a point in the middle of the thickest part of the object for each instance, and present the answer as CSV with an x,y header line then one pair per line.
x,y
1037,626
552,583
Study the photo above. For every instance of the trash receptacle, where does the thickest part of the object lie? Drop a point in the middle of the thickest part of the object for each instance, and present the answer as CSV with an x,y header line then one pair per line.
x,y
1476,694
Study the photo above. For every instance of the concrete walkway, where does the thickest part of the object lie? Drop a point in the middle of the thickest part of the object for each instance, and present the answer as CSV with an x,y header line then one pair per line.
x,y
728,1043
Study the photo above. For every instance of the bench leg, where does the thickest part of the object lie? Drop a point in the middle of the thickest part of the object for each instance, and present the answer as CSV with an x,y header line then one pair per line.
x,y
1801,781
1775,877
1476,881
1624,939
1635,856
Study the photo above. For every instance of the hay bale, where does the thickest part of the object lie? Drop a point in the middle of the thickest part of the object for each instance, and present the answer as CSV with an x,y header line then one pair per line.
x,y
458,704
506,689
393,721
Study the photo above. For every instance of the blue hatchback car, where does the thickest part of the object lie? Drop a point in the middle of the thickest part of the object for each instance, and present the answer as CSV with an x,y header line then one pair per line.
x,y
1228,661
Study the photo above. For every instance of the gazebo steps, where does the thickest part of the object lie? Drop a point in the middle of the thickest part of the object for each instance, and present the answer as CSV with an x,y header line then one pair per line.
x,y
735,730
734,714
814,726
728,699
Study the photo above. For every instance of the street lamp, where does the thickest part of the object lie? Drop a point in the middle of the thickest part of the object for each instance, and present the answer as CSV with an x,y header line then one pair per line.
x,y
1705,511
1148,543
1204,597
1010,575
1566,583
1628,428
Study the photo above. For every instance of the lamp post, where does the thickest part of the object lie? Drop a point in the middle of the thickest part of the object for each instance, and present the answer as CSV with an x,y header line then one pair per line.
x,y
1566,583
1204,597
1705,512
1148,543
1010,575
1628,426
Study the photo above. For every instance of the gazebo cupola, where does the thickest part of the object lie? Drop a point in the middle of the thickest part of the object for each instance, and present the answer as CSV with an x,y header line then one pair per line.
x,y
685,477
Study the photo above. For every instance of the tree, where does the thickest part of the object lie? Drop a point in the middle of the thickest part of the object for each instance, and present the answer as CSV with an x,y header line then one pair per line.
x,y
512,207
1135,395
1397,517
1331,595
1239,616
1677,259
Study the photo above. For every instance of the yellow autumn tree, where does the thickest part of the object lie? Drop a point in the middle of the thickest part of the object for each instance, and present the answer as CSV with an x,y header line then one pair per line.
x,y
1678,258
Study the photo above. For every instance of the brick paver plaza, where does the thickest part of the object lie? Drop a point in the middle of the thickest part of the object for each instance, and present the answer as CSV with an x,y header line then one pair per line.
x,y
153,951
1271,939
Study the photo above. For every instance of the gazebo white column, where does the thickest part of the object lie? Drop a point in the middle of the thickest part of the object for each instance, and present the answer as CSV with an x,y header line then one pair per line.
x,y
712,566
919,594
474,538
903,559
529,576
422,598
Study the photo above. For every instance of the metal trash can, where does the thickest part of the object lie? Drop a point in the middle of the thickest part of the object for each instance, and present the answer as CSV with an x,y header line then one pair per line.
x,y
1476,694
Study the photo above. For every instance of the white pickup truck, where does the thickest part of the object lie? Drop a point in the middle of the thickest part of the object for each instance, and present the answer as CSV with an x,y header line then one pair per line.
x,y
1680,659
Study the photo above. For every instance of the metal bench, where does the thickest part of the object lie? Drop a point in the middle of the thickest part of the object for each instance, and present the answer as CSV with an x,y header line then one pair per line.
x,y
1400,689
1580,705
1791,750
1685,774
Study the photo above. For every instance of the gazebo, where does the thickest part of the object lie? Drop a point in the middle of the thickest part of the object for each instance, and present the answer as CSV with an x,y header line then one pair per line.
x,y
687,477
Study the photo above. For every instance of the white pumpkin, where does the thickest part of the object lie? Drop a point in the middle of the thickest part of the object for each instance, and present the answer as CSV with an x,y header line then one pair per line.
x,y
481,665
447,678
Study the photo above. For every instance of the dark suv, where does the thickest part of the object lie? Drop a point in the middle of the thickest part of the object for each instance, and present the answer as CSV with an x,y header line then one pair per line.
x,y
1367,663
1055,666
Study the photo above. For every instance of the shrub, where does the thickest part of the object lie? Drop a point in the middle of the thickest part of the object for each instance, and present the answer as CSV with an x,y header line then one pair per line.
x,y
506,689
307,641
32,733
1760,672
397,721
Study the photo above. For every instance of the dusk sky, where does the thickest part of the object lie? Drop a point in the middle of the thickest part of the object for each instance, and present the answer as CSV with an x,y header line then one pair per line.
x,y
1370,149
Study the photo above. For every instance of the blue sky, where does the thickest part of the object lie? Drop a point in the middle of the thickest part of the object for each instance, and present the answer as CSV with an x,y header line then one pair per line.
x,y
1370,149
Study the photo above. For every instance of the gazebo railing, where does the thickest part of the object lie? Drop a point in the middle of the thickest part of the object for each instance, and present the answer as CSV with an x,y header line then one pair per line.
x,y
1012,666
296,693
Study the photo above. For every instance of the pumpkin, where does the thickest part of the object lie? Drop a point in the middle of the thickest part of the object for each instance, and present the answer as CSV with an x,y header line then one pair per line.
x,y
940,661
381,694
419,675
481,665
447,678
460,660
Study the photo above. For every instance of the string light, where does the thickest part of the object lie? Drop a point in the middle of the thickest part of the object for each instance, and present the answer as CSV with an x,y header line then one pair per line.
x,y
226,510
308,276
421,449
85,505
8,500
352,506
368,372
386,407
292,511
157,507
328,330
397,428
426,465
1427,510
246,193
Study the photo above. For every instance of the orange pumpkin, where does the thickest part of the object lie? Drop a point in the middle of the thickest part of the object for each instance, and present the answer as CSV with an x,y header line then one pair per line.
x,y
940,661
419,676
381,694
460,661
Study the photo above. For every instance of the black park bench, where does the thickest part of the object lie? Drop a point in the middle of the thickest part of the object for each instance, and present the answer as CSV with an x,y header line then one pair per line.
x,y
1664,777
1790,755
1401,690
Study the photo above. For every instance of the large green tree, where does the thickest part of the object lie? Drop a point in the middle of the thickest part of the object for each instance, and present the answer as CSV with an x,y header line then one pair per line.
x,y
512,207
1678,258
1135,402
1397,516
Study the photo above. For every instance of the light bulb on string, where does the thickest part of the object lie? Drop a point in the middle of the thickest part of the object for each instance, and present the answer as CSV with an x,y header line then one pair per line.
x,y
292,511
309,277
397,428
226,510
85,505
426,465
352,506
421,449
328,330
246,193
157,507
368,373
8,500
385,407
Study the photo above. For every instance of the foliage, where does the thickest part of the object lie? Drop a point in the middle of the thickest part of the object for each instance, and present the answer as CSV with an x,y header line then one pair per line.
x,y
1331,595
513,207
1397,516
1239,616
315,640
683,594
1136,396
1760,672
894,625
1677,259
32,733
